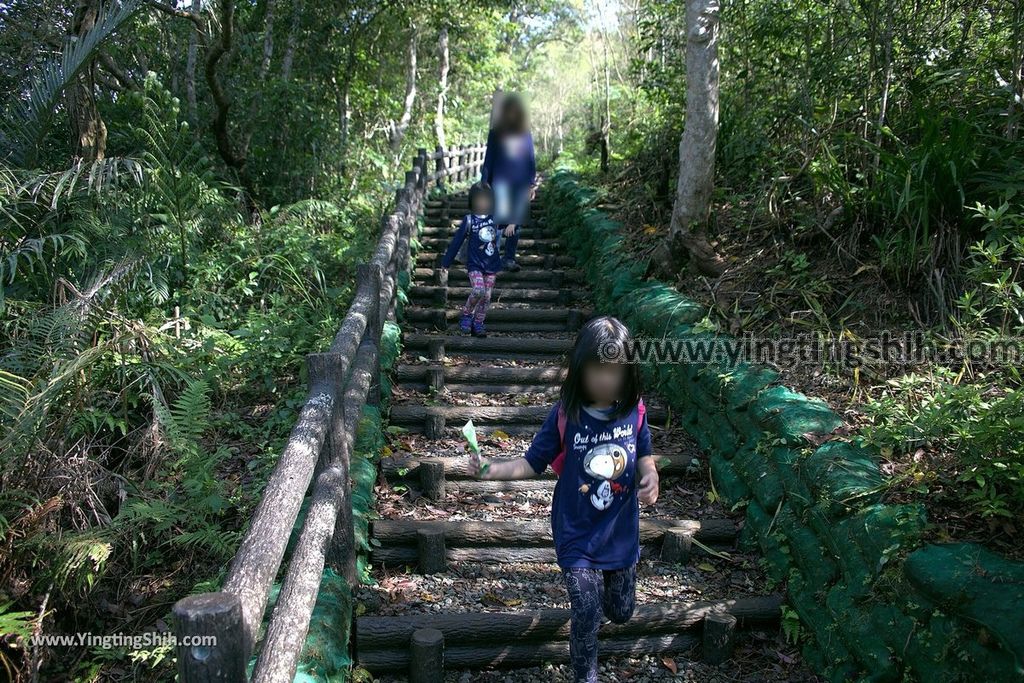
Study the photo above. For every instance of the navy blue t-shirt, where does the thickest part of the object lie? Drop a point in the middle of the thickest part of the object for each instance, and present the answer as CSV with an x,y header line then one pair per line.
x,y
595,513
482,250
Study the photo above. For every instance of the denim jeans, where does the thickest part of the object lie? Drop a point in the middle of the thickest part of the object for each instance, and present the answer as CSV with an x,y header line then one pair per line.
x,y
511,207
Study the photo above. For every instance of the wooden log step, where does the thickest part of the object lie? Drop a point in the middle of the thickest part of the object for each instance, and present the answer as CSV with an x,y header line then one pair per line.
x,y
424,258
551,376
535,532
537,246
546,625
453,328
458,274
478,657
462,201
498,294
438,227
404,556
394,467
501,317
518,345
484,415
424,387
440,430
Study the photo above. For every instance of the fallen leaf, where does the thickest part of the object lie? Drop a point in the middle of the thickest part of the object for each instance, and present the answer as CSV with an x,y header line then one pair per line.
x,y
670,664
706,567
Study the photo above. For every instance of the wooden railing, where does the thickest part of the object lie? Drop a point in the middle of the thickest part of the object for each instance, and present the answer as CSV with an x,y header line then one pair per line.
x,y
342,380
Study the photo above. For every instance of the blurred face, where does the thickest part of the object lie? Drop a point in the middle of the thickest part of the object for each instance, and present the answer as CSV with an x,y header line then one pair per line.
x,y
482,204
603,381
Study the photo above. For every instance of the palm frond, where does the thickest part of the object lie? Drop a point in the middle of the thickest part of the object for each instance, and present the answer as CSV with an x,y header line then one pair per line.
x,y
25,128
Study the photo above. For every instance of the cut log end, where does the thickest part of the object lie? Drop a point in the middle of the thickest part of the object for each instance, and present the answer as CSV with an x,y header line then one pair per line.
x,y
718,637
426,656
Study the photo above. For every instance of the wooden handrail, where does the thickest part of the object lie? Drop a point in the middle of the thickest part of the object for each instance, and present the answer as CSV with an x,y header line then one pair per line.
x,y
318,451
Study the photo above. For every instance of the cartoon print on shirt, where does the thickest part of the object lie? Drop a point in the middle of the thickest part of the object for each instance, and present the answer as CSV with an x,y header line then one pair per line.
x,y
602,497
486,234
605,462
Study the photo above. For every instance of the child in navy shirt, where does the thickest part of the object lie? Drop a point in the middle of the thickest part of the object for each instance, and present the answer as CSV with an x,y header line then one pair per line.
x,y
482,260
605,469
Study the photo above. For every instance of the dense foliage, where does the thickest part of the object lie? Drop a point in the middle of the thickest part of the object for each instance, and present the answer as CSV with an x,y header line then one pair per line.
x,y
867,153
184,194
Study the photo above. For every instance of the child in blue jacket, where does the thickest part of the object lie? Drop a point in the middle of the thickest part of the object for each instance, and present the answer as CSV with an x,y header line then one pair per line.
x,y
482,259
596,438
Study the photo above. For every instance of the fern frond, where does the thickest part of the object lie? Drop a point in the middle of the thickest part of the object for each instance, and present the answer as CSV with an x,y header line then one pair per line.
x,y
81,559
188,418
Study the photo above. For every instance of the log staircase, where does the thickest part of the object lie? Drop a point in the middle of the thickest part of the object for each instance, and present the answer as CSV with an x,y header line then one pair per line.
x,y
465,569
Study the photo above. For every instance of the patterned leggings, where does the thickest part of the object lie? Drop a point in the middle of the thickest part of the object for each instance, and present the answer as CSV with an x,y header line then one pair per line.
x,y
593,592
480,296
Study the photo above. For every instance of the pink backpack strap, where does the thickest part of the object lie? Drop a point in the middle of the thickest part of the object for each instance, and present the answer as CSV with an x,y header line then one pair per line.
x,y
641,410
559,460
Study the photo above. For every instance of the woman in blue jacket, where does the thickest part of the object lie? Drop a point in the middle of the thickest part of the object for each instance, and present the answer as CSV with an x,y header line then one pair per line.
x,y
510,168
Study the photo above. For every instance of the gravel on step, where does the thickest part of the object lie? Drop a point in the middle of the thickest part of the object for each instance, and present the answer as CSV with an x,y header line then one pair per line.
x,y
515,586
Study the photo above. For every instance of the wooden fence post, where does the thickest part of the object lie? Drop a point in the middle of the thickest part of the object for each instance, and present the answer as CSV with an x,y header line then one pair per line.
x,y
439,168
210,615
328,371
421,160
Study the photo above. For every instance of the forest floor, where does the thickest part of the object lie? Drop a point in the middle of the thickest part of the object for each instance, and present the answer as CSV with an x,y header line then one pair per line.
x,y
789,277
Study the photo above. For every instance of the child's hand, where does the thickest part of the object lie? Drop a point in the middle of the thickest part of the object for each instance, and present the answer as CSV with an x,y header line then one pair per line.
x,y
477,466
510,230
648,491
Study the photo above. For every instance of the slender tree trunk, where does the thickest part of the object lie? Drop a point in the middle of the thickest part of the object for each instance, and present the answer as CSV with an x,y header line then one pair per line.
x,y
264,72
1013,111
697,146
89,133
398,128
190,69
292,42
442,49
606,119
496,97
268,39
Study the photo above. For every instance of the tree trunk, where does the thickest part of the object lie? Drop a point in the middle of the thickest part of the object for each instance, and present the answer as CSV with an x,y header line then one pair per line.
x,y
606,119
496,99
190,69
398,128
268,39
293,41
442,48
89,133
697,147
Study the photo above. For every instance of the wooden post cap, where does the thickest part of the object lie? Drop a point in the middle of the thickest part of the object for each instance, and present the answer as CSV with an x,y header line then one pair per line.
x,y
426,661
